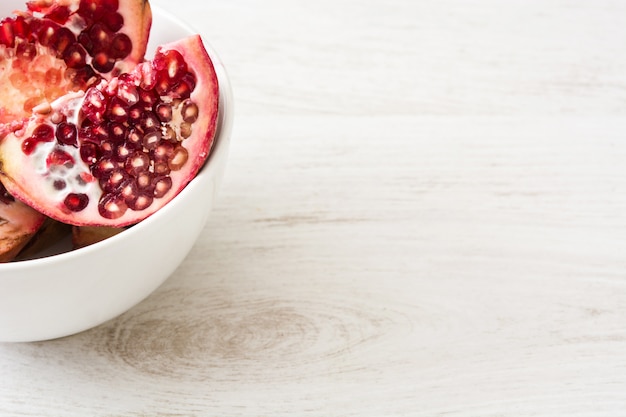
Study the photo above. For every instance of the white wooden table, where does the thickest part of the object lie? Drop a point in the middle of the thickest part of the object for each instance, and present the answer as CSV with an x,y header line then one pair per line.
x,y
424,214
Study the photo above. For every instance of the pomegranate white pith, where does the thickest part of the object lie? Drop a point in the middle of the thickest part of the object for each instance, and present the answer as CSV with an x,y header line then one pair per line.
x,y
115,154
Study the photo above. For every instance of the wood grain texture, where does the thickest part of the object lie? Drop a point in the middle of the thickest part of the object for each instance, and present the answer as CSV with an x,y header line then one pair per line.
x,y
424,214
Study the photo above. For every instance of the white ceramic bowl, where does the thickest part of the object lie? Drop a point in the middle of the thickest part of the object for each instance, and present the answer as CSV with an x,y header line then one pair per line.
x,y
71,291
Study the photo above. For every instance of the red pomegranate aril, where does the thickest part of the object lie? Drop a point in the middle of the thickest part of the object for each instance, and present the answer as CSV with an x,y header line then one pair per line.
x,y
66,133
179,158
112,206
185,130
102,62
137,162
134,138
61,40
118,110
7,37
94,105
151,138
104,166
113,21
46,31
161,168
189,111
42,133
113,180
163,152
140,202
25,51
162,184
76,201
149,121
89,153
59,157
127,92
117,132
58,14
75,56
164,112
144,182
85,40
121,46
148,97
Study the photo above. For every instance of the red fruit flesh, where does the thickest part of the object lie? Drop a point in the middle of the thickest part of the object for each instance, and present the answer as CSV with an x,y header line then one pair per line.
x,y
18,224
65,45
117,153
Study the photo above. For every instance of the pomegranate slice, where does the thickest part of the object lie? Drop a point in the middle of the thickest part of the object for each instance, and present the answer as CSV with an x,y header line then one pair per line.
x,y
115,154
56,46
18,224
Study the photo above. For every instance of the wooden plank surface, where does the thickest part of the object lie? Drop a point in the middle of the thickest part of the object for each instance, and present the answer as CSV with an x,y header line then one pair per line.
x,y
424,214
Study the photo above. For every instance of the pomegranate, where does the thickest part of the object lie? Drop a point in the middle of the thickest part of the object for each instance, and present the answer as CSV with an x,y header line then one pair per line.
x,y
18,224
65,45
117,152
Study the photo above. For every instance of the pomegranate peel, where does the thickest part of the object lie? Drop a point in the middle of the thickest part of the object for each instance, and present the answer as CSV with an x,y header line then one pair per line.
x,y
139,139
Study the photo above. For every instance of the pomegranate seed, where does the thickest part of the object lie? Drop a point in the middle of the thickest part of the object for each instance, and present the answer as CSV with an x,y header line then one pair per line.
x,y
175,65
122,152
189,111
151,138
93,106
163,152
113,180
127,91
128,190
141,202
161,168
144,182
21,28
66,133
148,97
7,38
104,166
75,56
112,206
179,158
149,121
137,163
162,185
26,51
42,133
118,110
62,40
89,153
46,32
134,138
76,202
117,132
59,157
121,46
114,21
164,112
86,42
181,90
102,63
185,130
58,14
169,134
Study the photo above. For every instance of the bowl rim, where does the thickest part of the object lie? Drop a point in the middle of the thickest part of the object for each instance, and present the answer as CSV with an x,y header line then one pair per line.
x,y
220,146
